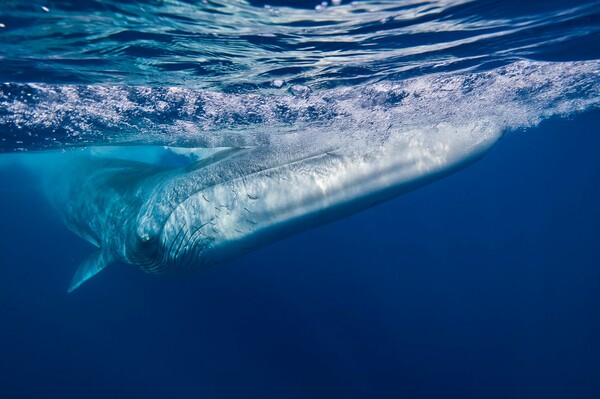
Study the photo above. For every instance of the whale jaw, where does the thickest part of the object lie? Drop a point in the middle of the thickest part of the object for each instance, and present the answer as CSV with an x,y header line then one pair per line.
x,y
223,221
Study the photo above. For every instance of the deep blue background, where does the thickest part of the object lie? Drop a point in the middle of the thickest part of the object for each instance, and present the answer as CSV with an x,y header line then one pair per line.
x,y
485,284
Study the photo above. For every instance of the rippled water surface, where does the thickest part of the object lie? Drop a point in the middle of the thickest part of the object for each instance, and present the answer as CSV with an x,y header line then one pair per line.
x,y
240,46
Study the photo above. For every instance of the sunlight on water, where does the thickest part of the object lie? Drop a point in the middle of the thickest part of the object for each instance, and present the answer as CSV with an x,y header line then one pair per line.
x,y
241,46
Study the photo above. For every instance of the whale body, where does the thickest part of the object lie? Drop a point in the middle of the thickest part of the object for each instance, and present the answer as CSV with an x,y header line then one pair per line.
x,y
174,220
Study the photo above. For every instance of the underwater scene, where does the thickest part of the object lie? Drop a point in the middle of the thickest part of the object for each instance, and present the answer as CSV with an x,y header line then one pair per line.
x,y
300,199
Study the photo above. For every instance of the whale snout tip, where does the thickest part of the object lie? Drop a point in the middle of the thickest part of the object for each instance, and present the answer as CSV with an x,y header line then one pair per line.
x,y
145,239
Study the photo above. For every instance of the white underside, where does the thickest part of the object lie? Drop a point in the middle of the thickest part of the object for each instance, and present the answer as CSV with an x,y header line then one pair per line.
x,y
230,218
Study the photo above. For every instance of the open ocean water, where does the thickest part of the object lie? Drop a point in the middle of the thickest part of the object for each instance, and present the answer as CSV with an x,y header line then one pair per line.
x,y
483,283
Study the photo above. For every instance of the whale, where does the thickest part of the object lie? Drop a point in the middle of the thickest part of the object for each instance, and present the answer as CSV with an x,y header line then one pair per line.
x,y
261,165
177,219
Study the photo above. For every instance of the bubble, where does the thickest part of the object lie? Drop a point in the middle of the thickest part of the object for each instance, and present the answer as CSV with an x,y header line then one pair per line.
x,y
300,91
319,8
45,9
336,2
2,26
80,115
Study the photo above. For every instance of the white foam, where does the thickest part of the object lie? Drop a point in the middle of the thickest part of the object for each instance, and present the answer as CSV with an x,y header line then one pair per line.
x,y
511,97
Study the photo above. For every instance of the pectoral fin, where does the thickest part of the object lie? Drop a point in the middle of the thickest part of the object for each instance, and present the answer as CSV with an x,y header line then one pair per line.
x,y
88,269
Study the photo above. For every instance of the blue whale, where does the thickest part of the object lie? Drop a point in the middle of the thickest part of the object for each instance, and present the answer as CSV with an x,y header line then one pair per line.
x,y
173,220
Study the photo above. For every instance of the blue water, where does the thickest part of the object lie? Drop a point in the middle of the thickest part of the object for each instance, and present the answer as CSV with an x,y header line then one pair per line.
x,y
485,284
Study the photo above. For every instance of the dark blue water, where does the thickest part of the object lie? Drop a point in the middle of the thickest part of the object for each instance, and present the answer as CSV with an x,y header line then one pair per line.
x,y
485,284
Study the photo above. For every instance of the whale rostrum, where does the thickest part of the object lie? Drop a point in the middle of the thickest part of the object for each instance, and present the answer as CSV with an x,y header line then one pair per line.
x,y
176,219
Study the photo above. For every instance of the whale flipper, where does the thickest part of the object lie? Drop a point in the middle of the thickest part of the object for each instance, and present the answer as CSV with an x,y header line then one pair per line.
x,y
88,269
